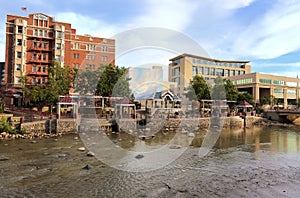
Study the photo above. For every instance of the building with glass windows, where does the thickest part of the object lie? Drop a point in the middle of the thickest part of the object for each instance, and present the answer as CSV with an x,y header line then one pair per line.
x,y
285,90
184,67
33,42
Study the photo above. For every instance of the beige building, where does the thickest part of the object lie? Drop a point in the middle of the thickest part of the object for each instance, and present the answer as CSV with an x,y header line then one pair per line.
x,y
286,90
184,67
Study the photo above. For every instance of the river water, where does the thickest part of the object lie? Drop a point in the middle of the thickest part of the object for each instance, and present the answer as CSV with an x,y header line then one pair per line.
x,y
256,162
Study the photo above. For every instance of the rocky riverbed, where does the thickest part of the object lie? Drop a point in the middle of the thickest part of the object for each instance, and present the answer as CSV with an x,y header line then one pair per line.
x,y
256,162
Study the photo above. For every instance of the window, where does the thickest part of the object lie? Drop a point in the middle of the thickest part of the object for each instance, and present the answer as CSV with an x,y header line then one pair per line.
x,y
58,34
176,62
44,57
220,72
231,72
194,70
76,55
200,70
18,67
278,91
90,66
226,72
176,71
58,46
33,68
206,72
91,47
176,80
34,44
104,48
278,82
41,33
76,45
45,33
58,58
19,54
291,91
20,29
43,69
19,42
90,57
244,81
212,71
43,80
265,81
34,56
35,32
33,81
45,45
104,58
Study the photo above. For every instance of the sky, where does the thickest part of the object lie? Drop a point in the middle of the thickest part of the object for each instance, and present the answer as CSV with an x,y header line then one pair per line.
x,y
265,32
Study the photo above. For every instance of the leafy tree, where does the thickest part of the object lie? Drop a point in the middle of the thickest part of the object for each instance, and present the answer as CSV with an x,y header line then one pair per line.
x,y
198,89
245,96
86,81
60,81
231,92
113,81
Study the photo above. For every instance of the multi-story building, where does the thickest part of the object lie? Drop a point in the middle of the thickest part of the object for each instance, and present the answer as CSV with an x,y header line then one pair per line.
x,y
285,90
184,67
34,42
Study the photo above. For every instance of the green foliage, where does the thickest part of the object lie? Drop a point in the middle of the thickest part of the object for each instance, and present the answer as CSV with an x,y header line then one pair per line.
x,y
4,125
265,100
113,81
247,97
198,89
60,80
231,92
86,81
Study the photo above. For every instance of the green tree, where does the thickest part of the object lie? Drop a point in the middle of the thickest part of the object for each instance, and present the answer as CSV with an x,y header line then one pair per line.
x,y
60,81
231,92
198,89
114,81
247,97
86,81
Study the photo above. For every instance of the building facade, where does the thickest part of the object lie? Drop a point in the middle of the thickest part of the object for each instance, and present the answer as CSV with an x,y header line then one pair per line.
x,y
184,67
34,42
285,90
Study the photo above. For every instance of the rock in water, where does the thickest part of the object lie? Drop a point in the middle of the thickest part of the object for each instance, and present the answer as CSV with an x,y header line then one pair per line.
x,y
139,156
90,154
81,149
87,167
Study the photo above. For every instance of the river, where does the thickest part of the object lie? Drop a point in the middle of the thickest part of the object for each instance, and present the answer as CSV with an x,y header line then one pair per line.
x,y
256,162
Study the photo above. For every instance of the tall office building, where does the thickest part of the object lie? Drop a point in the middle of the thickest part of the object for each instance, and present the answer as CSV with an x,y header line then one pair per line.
x,y
184,67
33,42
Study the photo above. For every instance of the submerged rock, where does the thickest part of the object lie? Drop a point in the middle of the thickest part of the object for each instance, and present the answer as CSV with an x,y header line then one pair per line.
x,y
81,149
139,156
90,154
87,167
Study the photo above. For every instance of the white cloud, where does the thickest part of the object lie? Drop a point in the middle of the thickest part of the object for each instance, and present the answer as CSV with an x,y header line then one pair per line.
x,y
172,14
274,34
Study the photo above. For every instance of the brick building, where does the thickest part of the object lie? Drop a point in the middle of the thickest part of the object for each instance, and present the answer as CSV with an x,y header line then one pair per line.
x,y
33,42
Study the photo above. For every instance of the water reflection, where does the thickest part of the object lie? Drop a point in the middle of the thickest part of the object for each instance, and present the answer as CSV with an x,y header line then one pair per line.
x,y
269,138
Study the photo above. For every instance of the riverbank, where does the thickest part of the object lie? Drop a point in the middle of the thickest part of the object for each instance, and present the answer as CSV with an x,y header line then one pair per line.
x,y
54,128
250,163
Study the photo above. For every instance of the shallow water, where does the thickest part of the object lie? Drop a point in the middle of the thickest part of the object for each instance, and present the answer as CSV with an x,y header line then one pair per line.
x,y
262,162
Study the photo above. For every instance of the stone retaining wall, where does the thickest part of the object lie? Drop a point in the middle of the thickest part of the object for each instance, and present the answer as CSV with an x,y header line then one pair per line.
x,y
69,125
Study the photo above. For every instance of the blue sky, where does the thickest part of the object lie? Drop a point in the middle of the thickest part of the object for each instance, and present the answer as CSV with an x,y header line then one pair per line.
x,y
266,32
